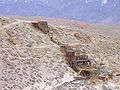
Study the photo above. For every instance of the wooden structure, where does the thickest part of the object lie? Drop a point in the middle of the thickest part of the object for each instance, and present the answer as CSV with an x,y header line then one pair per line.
x,y
83,60
80,63
70,57
41,25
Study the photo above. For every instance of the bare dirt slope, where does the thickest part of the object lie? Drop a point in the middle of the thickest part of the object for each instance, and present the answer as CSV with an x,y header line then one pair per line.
x,y
111,30
28,57
29,60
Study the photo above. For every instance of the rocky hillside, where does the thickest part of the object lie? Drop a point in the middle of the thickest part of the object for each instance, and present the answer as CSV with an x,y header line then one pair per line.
x,y
30,60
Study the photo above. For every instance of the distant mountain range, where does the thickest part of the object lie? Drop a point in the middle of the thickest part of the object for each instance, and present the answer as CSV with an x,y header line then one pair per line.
x,y
107,11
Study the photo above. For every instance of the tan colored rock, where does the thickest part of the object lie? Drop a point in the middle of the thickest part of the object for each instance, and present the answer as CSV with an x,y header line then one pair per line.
x,y
5,21
82,38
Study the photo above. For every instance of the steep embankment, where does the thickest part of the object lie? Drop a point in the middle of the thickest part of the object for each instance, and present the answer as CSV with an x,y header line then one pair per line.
x,y
28,57
102,49
30,60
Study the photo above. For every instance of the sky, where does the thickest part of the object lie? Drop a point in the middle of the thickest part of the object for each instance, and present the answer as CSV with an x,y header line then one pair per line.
x,y
107,11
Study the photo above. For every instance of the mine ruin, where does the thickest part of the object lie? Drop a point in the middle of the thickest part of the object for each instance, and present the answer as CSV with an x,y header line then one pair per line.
x,y
41,25
80,62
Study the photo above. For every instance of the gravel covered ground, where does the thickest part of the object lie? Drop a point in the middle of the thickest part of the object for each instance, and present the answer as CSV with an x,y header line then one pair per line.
x,y
29,60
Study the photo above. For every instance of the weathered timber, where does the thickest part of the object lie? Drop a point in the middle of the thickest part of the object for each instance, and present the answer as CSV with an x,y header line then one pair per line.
x,y
41,25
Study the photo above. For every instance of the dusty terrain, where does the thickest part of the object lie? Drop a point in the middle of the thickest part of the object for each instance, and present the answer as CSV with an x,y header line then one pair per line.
x,y
29,60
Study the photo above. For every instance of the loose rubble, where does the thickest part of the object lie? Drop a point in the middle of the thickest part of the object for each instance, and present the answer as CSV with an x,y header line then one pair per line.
x,y
31,57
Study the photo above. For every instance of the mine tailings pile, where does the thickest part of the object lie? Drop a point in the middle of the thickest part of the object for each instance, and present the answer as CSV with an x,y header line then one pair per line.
x,y
77,60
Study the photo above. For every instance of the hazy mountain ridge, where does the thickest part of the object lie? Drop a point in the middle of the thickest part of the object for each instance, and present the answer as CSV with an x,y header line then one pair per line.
x,y
87,10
